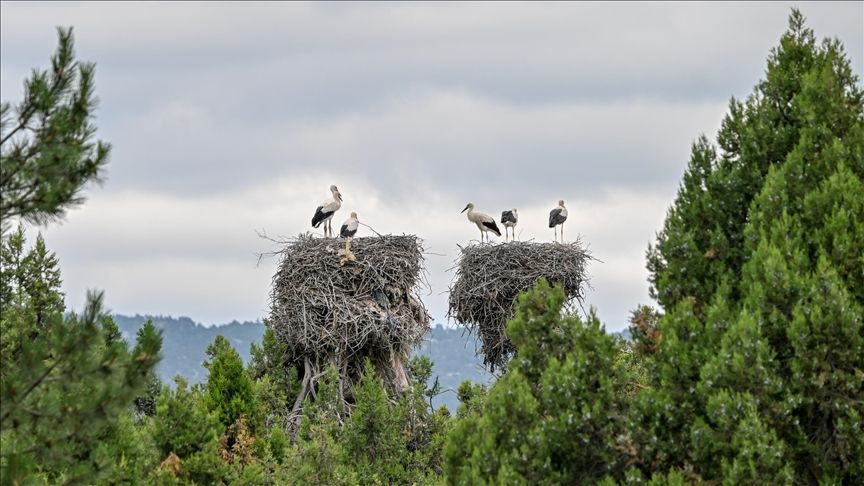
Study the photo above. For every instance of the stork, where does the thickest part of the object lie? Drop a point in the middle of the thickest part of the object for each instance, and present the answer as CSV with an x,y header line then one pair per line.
x,y
556,218
325,211
509,220
484,222
347,231
349,227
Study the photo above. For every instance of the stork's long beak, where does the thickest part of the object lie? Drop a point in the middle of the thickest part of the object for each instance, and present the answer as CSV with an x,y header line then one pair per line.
x,y
339,195
466,209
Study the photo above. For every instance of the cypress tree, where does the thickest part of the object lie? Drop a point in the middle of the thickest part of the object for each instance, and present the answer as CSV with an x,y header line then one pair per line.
x,y
758,377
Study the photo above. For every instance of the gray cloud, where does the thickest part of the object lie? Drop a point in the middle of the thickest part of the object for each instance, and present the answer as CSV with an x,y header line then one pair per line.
x,y
229,117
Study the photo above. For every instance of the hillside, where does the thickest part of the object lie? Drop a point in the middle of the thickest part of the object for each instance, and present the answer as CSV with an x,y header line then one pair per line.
x,y
185,343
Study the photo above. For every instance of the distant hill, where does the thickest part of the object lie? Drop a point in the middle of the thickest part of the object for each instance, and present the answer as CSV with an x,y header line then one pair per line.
x,y
185,344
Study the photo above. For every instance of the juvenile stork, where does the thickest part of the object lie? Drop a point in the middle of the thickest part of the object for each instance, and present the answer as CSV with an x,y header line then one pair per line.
x,y
325,211
509,220
349,227
484,222
347,231
556,218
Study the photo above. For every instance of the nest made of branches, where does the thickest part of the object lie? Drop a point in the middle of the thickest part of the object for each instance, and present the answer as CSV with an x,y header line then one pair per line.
x,y
320,305
490,277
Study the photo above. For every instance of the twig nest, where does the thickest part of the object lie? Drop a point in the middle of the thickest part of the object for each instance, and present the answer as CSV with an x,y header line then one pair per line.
x,y
490,277
338,303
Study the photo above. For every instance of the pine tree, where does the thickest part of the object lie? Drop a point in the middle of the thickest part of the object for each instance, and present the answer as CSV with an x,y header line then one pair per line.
x,y
145,404
67,389
758,377
229,392
30,295
66,379
46,146
372,437
558,415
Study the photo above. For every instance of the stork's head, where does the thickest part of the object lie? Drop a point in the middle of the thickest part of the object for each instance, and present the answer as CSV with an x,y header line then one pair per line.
x,y
336,193
469,206
515,212
561,203
353,215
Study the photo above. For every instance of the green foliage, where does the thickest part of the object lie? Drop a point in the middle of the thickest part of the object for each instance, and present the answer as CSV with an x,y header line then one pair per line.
x,y
759,375
557,416
30,295
46,142
133,450
145,404
371,439
276,383
229,392
63,398
182,425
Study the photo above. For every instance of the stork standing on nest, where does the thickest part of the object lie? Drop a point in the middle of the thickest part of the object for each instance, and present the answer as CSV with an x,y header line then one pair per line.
x,y
347,231
483,221
556,218
509,220
324,213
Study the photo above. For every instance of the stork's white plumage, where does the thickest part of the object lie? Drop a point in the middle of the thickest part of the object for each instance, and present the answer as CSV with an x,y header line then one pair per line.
x,y
484,222
349,227
509,220
324,213
556,218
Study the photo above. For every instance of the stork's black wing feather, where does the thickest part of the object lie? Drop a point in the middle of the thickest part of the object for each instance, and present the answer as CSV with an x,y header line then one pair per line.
x,y
508,217
492,226
320,216
344,233
555,217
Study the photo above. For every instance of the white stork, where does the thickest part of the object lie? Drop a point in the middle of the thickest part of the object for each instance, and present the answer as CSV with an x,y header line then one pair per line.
x,y
509,220
556,218
483,221
347,231
349,227
324,213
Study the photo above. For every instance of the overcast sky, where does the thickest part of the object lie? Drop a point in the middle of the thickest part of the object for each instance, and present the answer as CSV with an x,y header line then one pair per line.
x,y
226,118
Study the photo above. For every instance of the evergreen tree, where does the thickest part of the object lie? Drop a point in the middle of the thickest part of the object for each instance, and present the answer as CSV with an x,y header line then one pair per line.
x,y
372,438
46,143
63,397
145,404
558,415
758,375
229,392
275,381
30,295
67,381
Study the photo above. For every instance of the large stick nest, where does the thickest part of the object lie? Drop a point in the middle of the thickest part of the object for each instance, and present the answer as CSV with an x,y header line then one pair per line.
x,y
490,277
321,307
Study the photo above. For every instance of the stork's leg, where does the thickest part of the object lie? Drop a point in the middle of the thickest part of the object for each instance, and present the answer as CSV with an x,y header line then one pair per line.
x,y
562,232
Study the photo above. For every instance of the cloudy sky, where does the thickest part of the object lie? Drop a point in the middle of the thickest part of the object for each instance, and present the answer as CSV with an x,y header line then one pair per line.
x,y
227,118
